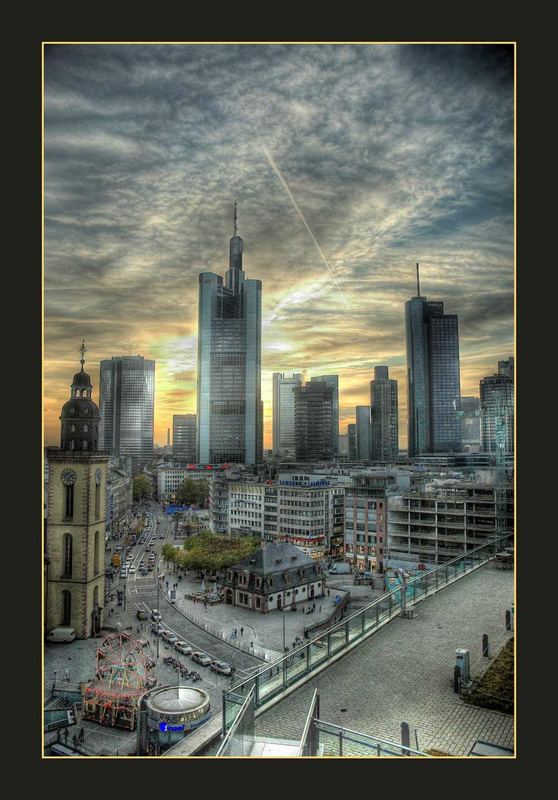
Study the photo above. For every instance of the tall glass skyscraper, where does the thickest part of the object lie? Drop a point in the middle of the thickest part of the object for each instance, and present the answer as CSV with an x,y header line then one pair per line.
x,y
126,407
333,381
184,437
384,416
363,432
497,412
313,412
230,410
433,377
283,412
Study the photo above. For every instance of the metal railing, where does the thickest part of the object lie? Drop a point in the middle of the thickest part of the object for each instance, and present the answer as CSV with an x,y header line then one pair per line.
x,y
332,740
293,669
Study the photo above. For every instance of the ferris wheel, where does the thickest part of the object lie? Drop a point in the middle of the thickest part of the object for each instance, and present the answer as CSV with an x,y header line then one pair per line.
x,y
121,662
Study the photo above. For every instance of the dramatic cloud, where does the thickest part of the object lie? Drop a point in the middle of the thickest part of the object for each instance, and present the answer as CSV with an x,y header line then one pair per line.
x,y
349,163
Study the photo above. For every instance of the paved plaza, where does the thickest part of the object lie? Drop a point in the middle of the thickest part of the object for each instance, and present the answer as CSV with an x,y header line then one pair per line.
x,y
404,673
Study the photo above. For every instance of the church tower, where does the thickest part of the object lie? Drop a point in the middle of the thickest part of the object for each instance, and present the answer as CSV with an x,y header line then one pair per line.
x,y
75,539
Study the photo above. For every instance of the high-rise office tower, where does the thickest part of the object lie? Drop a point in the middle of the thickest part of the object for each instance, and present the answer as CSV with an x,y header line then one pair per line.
x,y
363,433
497,413
184,443
507,368
127,400
384,416
333,381
352,442
313,412
283,413
433,377
230,410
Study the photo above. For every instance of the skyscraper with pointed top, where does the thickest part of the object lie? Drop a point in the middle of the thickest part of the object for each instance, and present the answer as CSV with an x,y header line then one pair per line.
x,y
230,410
433,377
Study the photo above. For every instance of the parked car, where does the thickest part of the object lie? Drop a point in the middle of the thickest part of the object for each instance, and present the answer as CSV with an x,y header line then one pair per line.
x,y
221,667
183,648
62,634
172,639
201,658
155,615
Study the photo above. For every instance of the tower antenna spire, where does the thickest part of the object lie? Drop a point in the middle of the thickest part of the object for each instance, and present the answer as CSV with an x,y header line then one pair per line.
x,y
83,351
418,281
235,218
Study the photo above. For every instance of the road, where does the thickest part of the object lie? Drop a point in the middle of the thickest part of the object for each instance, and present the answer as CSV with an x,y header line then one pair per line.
x,y
144,592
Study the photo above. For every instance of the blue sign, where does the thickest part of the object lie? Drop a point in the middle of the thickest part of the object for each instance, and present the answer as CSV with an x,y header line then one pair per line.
x,y
164,727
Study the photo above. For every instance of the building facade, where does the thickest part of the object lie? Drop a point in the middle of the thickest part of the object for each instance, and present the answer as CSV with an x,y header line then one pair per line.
x,y
184,437
76,507
497,413
313,415
470,424
170,477
230,410
365,525
352,453
333,382
384,416
284,413
363,433
274,578
433,377
441,523
127,402
119,496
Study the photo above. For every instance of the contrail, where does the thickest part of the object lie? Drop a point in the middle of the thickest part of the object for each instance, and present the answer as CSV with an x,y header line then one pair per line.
x,y
285,186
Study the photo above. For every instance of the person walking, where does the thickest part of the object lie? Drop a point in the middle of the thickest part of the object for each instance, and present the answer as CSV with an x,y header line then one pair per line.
x,y
242,631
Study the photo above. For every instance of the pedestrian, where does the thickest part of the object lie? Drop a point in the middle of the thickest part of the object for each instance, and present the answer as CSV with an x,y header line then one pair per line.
x,y
66,675
328,592
242,631
75,741
235,633
81,736
320,609
65,735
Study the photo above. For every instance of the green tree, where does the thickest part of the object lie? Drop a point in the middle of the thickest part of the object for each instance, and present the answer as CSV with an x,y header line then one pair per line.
x,y
208,553
193,492
141,488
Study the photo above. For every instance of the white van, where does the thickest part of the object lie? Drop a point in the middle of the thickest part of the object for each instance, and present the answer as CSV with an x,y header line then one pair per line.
x,y
62,634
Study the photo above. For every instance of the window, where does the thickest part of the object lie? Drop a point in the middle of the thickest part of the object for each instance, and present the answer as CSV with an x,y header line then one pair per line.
x,y
97,501
66,607
70,499
68,555
96,554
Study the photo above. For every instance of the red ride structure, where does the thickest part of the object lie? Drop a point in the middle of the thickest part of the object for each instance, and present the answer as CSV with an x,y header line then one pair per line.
x,y
121,678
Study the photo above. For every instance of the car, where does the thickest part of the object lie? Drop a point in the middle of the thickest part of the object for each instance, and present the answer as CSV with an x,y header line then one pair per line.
x,y
166,634
172,639
157,629
221,667
132,569
201,658
183,648
162,536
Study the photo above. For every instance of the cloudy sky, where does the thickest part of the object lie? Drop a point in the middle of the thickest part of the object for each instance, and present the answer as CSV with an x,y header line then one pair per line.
x,y
349,163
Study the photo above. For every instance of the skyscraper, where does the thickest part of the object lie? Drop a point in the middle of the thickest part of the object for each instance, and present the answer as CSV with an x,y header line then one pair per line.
x,y
433,377
470,424
333,381
497,413
313,412
283,412
230,410
363,433
127,400
184,444
384,416
352,454
507,367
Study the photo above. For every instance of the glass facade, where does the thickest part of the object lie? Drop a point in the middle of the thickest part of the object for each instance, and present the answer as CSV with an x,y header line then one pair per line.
x,y
127,399
230,410
433,378
313,414
283,412
497,413
384,417
363,432
333,382
184,437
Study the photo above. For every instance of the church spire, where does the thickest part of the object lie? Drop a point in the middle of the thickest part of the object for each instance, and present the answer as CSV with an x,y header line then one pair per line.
x,y
83,351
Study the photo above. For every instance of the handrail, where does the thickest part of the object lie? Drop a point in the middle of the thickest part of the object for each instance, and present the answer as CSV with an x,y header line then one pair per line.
x,y
336,728
468,555
236,722
309,720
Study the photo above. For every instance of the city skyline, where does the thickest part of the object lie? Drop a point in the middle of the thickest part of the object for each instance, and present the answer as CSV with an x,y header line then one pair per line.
x,y
373,157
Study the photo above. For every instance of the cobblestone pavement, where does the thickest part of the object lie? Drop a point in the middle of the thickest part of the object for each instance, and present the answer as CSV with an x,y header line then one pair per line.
x,y
404,673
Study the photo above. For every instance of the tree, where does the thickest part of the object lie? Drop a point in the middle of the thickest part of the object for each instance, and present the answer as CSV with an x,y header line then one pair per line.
x,y
207,552
141,488
193,492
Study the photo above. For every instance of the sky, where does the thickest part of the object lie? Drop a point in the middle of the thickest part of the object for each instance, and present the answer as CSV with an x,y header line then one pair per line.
x,y
349,164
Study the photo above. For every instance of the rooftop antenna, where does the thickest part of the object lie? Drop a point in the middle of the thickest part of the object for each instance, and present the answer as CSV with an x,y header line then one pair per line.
x,y
235,218
418,281
83,351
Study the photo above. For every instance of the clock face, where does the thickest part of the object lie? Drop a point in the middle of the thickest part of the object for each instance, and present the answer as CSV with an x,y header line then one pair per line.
x,y
69,477
98,476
